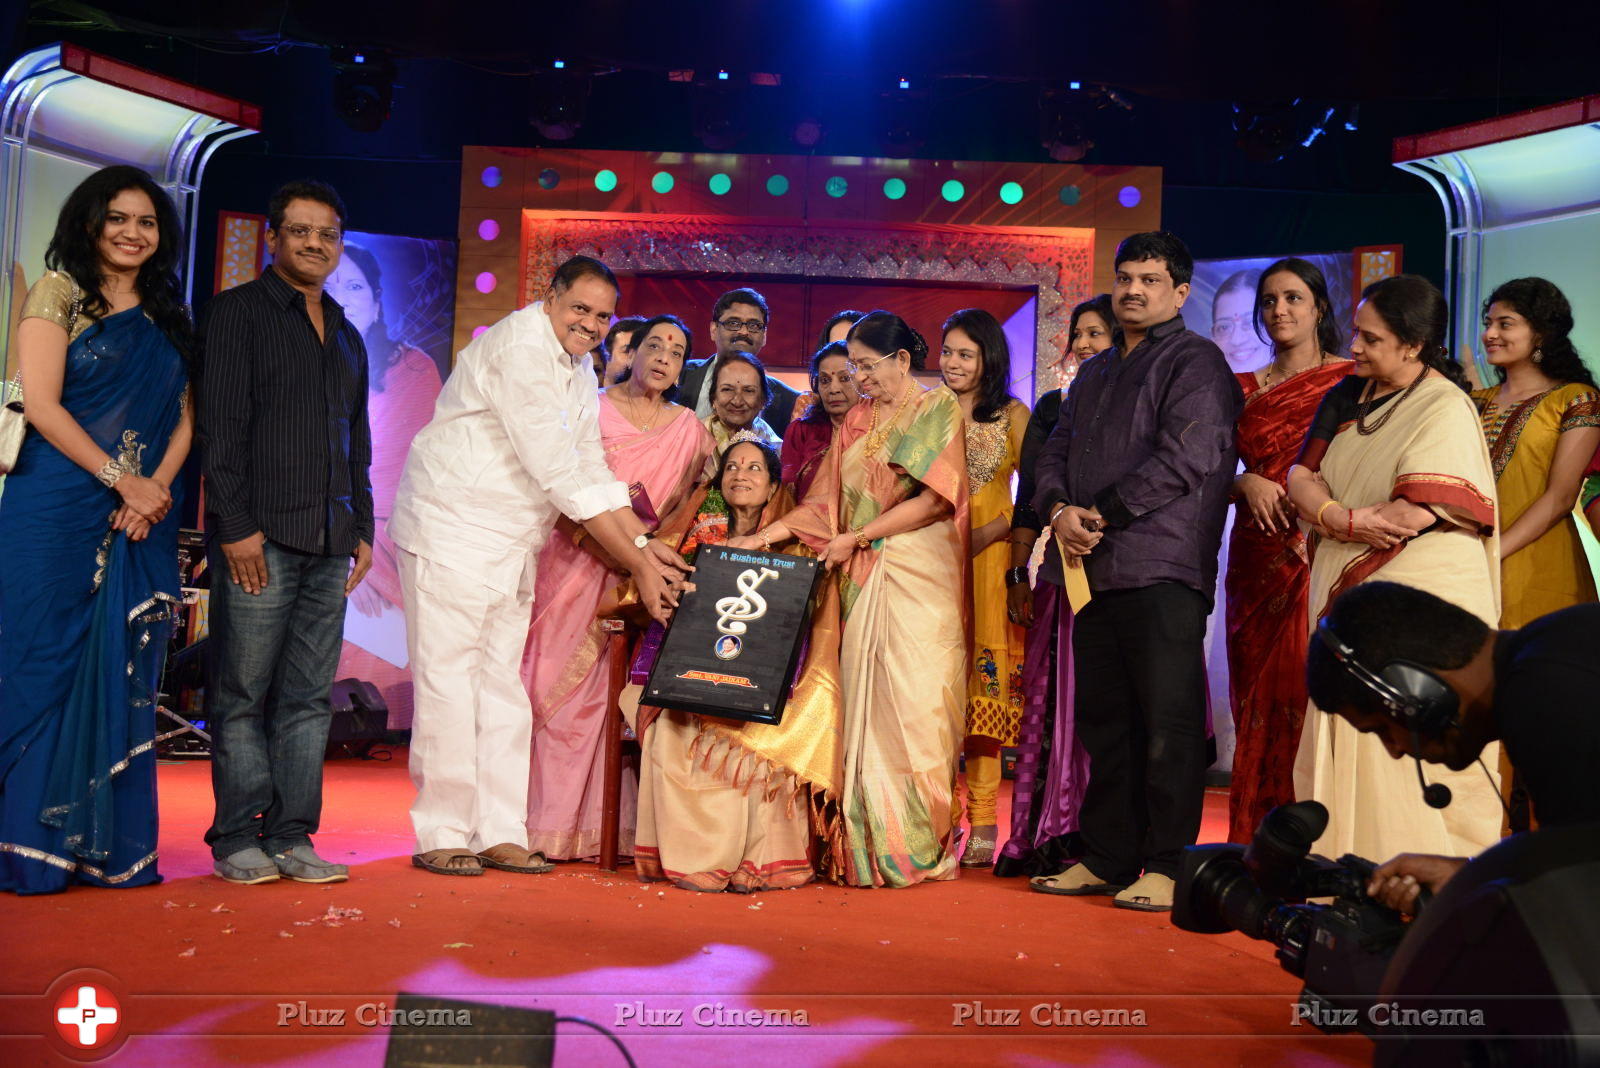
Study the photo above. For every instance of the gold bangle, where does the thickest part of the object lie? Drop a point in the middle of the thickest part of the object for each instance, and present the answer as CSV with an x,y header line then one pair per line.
x,y
1324,508
766,539
862,541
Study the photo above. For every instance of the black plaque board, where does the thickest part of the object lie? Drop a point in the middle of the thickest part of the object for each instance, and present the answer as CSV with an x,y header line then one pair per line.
x,y
735,641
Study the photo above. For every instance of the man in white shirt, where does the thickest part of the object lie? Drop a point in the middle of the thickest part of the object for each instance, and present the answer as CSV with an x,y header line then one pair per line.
x,y
514,442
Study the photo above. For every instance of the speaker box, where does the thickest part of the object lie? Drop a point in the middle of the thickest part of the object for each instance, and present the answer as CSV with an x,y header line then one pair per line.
x,y
427,1032
360,719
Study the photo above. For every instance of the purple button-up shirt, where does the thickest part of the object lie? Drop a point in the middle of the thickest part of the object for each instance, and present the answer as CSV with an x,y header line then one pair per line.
x,y
1148,439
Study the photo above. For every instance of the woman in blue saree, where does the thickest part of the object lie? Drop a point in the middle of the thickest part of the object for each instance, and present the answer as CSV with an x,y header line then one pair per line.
x,y
88,541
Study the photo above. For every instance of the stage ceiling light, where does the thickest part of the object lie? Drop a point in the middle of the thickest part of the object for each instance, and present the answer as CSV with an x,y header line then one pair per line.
x,y
605,180
488,230
363,87
719,184
662,182
1266,133
490,177
952,190
1064,124
894,188
719,116
558,103
1011,193
836,186
777,185
808,132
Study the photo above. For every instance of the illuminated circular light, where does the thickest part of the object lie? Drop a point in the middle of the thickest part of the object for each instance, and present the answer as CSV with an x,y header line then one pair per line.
x,y
720,184
605,181
777,185
490,177
836,186
1129,196
894,188
1011,193
1069,195
952,190
479,330
488,229
549,178
662,182
486,282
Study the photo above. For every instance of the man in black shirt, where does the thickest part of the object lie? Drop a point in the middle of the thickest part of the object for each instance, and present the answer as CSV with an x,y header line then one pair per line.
x,y
283,425
1536,689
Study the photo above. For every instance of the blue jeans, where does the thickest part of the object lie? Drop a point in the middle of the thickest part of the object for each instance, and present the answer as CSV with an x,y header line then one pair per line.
x,y
274,658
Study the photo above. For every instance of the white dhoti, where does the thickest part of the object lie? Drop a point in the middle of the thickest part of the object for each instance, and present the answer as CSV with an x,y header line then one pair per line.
x,y
471,735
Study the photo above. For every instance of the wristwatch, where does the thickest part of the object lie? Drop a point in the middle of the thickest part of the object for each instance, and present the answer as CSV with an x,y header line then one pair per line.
x,y
642,540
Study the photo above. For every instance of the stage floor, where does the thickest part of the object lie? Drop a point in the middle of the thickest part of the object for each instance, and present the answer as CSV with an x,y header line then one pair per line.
x,y
210,973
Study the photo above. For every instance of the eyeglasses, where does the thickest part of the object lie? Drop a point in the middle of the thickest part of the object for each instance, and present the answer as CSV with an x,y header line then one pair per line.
x,y
866,368
734,326
1225,328
300,231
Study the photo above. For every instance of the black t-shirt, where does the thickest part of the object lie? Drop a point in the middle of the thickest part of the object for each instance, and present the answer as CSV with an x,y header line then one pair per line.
x,y
1547,706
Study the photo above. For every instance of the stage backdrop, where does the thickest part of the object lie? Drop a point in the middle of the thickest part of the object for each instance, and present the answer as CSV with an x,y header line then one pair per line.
x,y
400,292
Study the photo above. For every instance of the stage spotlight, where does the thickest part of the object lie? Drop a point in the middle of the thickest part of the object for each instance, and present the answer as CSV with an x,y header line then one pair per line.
x,y
558,102
719,121
363,87
905,122
1064,125
808,131
1265,133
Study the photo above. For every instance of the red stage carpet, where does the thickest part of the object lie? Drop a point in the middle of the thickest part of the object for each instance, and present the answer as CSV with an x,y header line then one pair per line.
x,y
211,973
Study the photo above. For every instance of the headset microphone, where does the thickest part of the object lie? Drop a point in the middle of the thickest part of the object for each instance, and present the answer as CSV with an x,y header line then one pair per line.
x,y
1435,794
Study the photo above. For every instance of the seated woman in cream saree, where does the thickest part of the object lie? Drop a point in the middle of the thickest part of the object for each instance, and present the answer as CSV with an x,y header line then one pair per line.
x,y
727,805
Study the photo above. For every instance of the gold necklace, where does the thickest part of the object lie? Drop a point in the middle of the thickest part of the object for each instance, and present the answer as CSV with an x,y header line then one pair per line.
x,y
1266,379
875,437
633,406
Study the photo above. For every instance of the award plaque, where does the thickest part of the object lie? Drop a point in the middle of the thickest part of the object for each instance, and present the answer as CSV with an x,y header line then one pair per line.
x,y
735,640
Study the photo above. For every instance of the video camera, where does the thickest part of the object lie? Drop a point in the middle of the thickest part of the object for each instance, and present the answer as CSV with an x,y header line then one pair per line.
x,y
1341,950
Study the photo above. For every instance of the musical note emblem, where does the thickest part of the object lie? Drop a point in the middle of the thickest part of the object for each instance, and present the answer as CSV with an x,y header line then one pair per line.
x,y
734,613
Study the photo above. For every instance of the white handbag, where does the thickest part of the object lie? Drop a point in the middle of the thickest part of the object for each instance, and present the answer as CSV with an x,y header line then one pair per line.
x,y
13,423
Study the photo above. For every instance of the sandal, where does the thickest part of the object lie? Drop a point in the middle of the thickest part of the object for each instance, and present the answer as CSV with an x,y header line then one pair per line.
x,y
443,862
980,846
510,857
1152,893
1076,881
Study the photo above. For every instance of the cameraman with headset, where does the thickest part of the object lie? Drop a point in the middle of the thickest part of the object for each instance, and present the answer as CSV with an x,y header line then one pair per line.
x,y
1436,684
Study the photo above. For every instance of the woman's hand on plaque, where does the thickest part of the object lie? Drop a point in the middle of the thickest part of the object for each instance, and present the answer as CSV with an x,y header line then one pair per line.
x,y
668,563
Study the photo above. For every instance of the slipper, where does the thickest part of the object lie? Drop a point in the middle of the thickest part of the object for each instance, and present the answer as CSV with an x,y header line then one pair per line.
x,y
510,857
1076,881
438,862
1152,893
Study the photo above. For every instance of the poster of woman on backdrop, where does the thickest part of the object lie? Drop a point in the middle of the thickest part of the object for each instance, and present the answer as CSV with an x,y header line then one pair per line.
x,y
400,293
1222,299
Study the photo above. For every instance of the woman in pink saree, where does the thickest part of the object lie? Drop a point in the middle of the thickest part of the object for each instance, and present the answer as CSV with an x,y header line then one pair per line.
x,y
658,448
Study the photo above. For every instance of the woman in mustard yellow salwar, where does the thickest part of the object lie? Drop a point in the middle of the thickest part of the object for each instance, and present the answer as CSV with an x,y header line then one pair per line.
x,y
888,514
1395,482
1542,423
975,364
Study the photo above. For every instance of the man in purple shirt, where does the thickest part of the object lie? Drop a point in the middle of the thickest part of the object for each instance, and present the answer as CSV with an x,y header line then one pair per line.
x,y
1135,480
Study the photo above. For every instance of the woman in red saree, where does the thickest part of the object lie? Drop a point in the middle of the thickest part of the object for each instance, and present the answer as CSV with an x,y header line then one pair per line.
x,y
1268,572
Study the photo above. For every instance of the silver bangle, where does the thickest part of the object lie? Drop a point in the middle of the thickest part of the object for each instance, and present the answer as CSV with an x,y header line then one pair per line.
x,y
110,473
